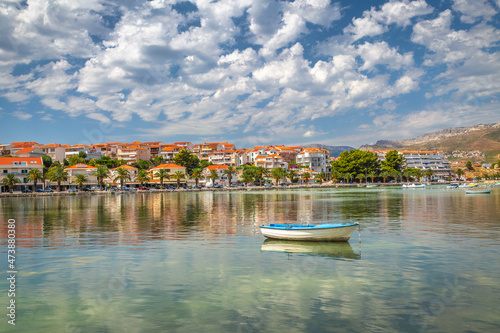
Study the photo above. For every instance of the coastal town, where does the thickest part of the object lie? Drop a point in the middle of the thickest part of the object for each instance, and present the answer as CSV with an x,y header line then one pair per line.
x,y
33,167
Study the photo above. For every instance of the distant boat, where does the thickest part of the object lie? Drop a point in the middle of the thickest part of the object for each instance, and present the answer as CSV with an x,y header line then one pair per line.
x,y
322,249
467,185
371,185
478,191
320,233
452,185
413,185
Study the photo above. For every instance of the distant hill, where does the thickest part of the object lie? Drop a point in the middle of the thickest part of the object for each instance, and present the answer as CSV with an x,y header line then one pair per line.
x,y
334,150
484,137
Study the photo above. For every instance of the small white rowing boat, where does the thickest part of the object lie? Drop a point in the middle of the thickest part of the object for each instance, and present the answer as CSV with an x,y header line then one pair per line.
x,y
413,185
478,191
310,232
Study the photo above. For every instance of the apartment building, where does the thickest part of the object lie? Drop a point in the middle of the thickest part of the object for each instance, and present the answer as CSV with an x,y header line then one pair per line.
x,y
225,157
84,169
221,176
20,167
315,159
56,151
90,151
270,162
29,152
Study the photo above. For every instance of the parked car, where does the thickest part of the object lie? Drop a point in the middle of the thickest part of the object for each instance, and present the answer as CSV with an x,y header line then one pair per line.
x,y
48,189
268,185
284,184
144,188
39,190
87,189
70,190
26,190
114,188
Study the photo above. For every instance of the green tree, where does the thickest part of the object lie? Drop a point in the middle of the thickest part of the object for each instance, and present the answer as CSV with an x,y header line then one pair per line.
x,y
356,161
35,175
141,165
229,172
178,175
101,172
142,176
360,177
372,176
348,177
246,178
157,160
80,179
75,159
83,155
320,177
213,176
278,174
306,176
196,175
469,166
47,163
57,174
459,172
385,175
260,173
428,174
394,161
122,175
10,180
188,160
291,174
162,174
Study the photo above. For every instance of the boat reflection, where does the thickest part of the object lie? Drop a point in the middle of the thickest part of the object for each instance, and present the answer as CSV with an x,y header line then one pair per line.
x,y
338,250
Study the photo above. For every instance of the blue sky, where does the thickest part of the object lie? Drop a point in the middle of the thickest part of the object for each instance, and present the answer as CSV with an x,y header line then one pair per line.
x,y
251,72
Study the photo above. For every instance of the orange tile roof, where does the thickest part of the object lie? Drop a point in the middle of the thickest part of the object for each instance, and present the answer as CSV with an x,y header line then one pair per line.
x,y
80,166
24,150
167,165
179,143
32,160
125,166
133,148
171,148
51,145
216,167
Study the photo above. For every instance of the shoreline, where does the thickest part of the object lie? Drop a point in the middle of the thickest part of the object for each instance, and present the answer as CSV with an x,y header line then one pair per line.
x,y
228,189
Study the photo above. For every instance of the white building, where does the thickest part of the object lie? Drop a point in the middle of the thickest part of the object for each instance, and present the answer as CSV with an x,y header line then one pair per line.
x,y
315,159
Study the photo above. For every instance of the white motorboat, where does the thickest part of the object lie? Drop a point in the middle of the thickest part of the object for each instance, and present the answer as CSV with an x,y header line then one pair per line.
x,y
413,185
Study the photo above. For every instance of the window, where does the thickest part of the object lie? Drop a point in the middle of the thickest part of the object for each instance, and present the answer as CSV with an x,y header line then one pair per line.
x,y
6,171
24,171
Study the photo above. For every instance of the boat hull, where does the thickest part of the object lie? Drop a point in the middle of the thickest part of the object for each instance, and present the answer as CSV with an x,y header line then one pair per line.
x,y
478,191
335,233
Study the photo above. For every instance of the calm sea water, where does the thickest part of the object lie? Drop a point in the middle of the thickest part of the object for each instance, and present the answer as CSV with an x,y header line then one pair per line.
x,y
429,261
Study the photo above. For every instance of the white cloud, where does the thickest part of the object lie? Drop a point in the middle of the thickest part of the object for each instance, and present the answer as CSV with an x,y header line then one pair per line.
x,y
21,115
381,53
471,11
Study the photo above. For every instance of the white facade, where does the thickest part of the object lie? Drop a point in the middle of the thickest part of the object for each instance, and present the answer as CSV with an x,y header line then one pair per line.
x,y
315,159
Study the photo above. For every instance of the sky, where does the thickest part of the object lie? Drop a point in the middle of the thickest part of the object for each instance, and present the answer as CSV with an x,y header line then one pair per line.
x,y
250,72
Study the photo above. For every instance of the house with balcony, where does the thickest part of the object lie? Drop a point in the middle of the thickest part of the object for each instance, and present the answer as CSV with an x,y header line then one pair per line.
x,y
114,173
16,146
315,159
270,162
106,149
288,154
169,151
225,157
155,147
186,145
85,169
425,160
134,152
92,153
56,151
20,167
170,168
221,176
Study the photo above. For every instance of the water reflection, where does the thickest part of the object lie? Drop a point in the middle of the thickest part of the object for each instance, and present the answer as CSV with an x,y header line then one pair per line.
x,y
337,250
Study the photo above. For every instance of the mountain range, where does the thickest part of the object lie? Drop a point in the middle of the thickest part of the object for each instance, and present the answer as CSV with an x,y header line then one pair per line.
x,y
482,137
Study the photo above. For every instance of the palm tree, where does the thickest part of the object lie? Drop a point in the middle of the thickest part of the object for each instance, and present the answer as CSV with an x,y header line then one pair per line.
x,y
278,173
407,173
58,174
142,176
360,177
291,174
196,175
35,175
306,176
178,175
80,179
372,175
122,175
213,176
162,174
246,178
320,177
459,173
101,173
260,172
428,174
347,177
385,175
335,176
229,172
10,180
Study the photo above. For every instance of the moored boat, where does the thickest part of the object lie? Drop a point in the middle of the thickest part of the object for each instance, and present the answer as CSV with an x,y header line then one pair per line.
x,y
309,232
413,185
478,191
